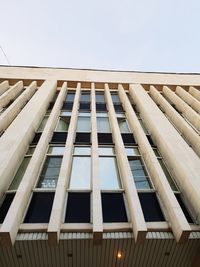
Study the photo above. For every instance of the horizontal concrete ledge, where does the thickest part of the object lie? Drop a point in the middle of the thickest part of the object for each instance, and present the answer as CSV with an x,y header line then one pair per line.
x,y
99,76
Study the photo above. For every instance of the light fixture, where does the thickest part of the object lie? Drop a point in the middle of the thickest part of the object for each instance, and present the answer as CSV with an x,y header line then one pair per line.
x,y
119,255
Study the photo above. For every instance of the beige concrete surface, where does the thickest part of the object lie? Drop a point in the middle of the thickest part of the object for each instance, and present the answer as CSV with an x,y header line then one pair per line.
x,y
175,216
3,87
186,169
194,92
135,210
177,120
25,133
97,217
99,76
184,109
13,110
190,100
10,94
63,179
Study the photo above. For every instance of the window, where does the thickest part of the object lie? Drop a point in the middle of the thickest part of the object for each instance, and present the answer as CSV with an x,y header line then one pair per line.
x,y
40,208
80,173
36,138
117,103
78,208
5,205
83,124
174,187
69,101
146,192
82,138
168,176
103,125
100,101
105,138
67,106
85,97
59,137
118,108
70,96
56,150
115,98
81,168
20,173
50,172
6,201
139,174
108,173
123,125
150,207
43,124
85,101
63,124
78,200
21,170
128,139
113,207
100,98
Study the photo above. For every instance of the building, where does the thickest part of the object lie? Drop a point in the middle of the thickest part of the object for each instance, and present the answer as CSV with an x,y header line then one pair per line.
x,y
99,168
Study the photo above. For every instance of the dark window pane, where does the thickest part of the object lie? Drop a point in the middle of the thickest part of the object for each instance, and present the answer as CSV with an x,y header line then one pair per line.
x,y
40,208
118,107
36,138
150,140
5,206
101,107
128,139
105,138
82,138
184,209
151,208
84,106
67,106
59,137
78,208
113,207
51,104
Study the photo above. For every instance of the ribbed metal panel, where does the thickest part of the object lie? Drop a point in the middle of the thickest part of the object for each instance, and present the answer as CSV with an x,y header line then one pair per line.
x,y
77,249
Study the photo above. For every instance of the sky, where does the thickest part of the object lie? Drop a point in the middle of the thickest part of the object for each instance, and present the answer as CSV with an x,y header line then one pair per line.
x,y
133,35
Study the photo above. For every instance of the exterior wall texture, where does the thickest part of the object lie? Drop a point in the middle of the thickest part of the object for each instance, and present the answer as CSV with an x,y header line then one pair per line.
x,y
99,168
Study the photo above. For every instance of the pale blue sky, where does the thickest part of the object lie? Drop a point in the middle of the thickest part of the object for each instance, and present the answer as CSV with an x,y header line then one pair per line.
x,y
143,35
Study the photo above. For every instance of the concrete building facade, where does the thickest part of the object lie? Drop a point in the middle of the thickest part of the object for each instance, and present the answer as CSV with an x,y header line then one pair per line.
x,y
99,168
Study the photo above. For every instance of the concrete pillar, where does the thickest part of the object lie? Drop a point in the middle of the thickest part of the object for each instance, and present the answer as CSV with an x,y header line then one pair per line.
x,y
184,128
10,94
63,179
12,111
177,221
3,87
96,193
172,147
15,140
194,92
136,214
190,100
186,111
17,209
